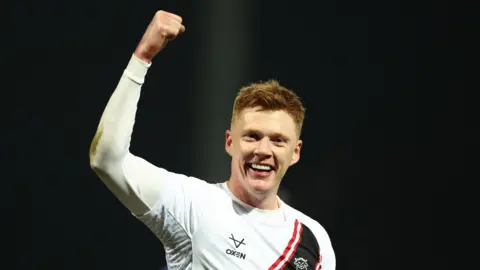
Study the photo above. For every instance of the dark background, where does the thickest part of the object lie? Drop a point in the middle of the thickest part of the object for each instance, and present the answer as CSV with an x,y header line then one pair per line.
x,y
372,75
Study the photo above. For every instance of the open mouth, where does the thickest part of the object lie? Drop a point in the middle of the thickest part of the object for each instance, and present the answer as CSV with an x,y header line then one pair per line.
x,y
260,168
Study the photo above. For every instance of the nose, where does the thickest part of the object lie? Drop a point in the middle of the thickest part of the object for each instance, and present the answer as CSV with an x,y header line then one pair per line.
x,y
263,148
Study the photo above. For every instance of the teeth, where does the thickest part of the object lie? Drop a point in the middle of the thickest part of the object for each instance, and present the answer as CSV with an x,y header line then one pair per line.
x,y
261,167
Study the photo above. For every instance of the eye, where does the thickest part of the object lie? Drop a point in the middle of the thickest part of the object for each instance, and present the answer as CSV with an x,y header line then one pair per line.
x,y
279,140
251,136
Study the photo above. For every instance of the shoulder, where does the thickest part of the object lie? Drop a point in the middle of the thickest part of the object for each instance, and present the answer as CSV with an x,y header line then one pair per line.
x,y
327,253
202,189
317,229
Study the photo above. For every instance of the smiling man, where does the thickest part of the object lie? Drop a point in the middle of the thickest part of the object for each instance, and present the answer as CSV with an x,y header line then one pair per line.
x,y
238,224
263,141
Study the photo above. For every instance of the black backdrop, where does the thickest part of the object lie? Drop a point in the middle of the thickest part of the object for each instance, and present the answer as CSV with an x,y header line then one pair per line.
x,y
370,76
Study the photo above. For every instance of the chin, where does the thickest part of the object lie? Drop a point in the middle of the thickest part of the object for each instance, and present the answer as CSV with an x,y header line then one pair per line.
x,y
260,186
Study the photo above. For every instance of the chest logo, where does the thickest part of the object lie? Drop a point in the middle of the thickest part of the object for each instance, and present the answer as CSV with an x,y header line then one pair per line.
x,y
301,263
234,252
237,243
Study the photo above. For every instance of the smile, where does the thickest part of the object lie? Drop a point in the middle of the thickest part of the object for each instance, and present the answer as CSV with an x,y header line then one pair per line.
x,y
260,167
260,170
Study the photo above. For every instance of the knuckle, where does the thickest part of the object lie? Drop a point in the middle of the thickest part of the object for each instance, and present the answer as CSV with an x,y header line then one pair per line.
x,y
159,24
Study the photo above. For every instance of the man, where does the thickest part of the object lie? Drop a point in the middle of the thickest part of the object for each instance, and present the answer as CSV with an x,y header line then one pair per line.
x,y
238,224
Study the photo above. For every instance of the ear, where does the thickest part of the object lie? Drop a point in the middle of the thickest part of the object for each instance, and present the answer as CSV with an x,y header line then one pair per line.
x,y
228,142
296,153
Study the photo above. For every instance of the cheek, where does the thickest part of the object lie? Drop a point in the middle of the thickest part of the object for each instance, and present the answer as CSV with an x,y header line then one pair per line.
x,y
284,156
238,152
245,148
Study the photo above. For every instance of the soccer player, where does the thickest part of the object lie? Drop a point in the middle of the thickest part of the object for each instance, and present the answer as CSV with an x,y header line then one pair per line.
x,y
237,224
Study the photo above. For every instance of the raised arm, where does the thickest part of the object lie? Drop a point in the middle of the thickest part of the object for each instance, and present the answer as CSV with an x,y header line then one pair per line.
x,y
130,178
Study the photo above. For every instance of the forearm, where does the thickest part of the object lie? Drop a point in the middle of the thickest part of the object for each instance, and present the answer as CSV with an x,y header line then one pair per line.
x,y
112,140
109,150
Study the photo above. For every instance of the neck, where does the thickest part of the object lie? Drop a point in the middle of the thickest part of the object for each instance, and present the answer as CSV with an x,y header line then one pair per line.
x,y
264,201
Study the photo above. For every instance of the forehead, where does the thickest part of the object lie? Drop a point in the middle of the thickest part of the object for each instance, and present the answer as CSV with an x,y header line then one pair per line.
x,y
266,121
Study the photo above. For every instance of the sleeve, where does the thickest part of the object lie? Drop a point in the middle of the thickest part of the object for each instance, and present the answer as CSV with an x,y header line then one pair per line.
x,y
109,150
176,214
327,254
163,200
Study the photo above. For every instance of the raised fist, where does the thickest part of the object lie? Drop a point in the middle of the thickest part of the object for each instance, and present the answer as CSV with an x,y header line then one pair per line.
x,y
164,26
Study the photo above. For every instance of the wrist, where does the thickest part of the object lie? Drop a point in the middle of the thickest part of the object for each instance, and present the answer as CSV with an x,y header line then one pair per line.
x,y
137,69
143,55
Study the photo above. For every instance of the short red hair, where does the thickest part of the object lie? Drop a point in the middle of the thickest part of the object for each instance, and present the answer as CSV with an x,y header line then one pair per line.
x,y
270,96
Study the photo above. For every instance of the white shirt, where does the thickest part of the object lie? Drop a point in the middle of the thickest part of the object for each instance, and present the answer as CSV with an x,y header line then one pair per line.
x,y
201,225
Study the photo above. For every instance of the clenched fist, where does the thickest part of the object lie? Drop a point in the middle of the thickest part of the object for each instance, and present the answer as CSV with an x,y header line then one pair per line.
x,y
164,26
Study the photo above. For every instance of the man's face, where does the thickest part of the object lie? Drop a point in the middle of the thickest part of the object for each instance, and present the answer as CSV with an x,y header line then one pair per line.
x,y
263,145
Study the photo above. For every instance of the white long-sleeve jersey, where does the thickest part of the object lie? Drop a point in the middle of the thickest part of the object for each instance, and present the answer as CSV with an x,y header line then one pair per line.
x,y
201,225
